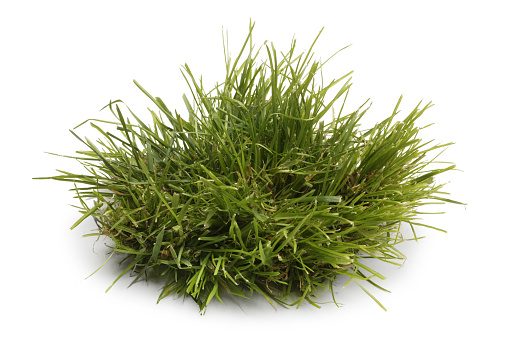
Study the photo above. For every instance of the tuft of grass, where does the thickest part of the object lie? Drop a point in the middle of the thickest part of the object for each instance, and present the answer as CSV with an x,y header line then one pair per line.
x,y
254,192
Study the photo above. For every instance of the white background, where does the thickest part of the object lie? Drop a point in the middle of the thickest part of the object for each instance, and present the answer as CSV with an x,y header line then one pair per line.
x,y
60,62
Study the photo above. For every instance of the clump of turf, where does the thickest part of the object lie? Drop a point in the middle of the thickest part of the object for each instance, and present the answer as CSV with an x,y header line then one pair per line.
x,y
254,192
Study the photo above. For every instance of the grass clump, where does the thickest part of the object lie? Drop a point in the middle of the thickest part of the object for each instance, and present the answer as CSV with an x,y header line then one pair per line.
x,y
254,192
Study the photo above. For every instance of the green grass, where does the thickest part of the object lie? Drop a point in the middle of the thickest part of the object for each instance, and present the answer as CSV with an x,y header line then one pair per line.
x,y
254,192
